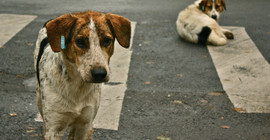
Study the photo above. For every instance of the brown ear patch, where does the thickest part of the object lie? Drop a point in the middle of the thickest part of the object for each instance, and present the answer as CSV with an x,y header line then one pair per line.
x,y
223,4
202,5
121,28
59,27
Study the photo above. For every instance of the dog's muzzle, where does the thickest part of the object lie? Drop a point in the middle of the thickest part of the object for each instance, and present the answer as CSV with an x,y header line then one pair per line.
x,y
99,75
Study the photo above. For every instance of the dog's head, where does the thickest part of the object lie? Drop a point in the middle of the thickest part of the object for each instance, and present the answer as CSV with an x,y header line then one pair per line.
x,y
213,8
88,41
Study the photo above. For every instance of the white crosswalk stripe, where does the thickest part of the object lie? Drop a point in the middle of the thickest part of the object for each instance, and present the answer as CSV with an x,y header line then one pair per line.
x,y
244,73
11,24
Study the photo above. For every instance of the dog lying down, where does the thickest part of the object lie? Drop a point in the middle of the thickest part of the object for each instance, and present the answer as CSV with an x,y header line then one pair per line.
x,y
198,23
71,61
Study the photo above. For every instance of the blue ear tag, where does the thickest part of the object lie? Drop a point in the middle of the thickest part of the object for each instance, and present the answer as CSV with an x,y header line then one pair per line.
x,y
203,8
63,46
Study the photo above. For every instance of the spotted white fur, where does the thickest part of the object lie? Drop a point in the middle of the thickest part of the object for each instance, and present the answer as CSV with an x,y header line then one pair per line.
x,y
67,81
78,95
81,98
191,20
94,56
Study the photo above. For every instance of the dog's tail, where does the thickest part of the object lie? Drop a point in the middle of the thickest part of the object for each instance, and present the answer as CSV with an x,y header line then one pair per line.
x,y
41,44
203,35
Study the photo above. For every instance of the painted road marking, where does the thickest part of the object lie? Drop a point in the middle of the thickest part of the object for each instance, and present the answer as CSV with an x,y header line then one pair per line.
x,y
112,94
244,72
11,24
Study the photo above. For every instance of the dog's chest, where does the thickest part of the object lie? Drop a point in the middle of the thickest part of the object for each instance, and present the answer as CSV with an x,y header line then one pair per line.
x,y
71,98
63,91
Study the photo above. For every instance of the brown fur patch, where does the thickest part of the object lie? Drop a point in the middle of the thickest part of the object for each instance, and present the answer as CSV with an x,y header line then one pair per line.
x,y
207,5
58,27
229,35
220,5
75,26
122,29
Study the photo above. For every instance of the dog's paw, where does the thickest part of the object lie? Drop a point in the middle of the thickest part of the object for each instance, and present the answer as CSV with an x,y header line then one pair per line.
x,y
90,134
229,35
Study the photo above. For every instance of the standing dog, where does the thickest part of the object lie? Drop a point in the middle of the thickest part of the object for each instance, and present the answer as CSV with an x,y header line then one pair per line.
x,y
71,61
198,23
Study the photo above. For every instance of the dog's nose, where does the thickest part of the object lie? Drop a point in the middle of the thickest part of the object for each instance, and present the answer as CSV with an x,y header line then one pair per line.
x,y
99,74
214,17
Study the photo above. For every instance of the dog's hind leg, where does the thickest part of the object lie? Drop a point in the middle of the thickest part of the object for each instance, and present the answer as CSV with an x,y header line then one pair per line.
x,y
214,39
203,35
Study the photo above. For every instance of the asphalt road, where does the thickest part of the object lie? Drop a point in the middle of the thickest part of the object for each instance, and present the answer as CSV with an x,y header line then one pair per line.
x,y
169,80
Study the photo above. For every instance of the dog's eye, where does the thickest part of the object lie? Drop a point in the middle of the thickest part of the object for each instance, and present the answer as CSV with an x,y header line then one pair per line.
x,y
81,43
107,41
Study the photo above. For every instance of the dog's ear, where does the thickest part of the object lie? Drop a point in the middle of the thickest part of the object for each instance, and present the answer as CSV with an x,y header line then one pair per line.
x,y
59,27
202,5
121,28
223,4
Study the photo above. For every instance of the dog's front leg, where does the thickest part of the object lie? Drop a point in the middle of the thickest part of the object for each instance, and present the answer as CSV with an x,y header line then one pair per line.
x,y
228,33
80,132
55,125
82,128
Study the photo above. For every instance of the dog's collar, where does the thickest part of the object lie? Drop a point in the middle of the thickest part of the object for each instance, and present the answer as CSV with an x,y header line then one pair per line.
x,y
63,46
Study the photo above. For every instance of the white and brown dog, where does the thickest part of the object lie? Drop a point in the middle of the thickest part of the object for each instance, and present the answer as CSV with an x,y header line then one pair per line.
x,y
71,61
198,23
